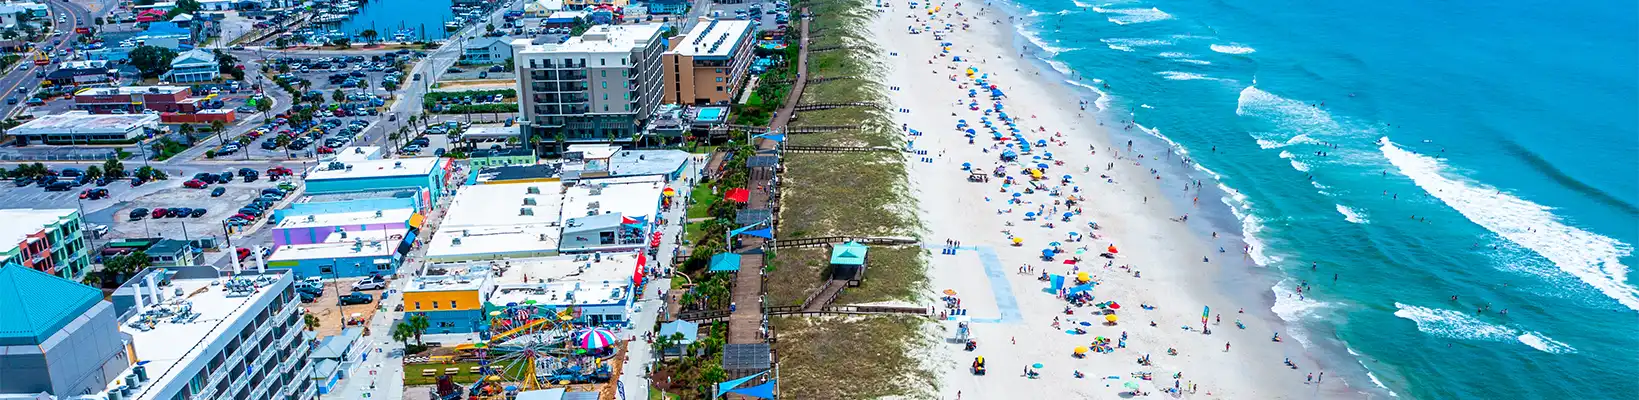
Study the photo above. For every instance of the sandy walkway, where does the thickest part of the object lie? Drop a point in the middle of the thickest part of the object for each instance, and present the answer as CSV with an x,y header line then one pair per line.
x,y
1013,314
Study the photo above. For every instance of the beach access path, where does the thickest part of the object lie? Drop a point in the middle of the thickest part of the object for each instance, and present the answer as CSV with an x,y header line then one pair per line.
x,y
746,322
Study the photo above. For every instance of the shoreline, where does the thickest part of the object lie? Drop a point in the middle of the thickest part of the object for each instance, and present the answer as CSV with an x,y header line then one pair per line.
x,y
935,177
1251,281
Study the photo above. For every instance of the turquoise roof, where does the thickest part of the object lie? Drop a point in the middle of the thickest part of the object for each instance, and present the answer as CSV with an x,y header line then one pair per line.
x,y
848,253
37,304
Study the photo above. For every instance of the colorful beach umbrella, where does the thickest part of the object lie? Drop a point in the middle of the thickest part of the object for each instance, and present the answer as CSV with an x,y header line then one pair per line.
x,y
669,192
595,339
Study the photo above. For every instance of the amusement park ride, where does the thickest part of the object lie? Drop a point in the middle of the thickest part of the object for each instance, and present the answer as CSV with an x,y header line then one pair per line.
x,y
532,348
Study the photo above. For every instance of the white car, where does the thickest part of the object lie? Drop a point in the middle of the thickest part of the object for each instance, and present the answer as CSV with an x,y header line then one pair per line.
x,y
373,282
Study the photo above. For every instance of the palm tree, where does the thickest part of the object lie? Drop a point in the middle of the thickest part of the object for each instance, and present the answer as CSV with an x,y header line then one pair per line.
x,y
418,324
369,35
310,321
93,172
403,332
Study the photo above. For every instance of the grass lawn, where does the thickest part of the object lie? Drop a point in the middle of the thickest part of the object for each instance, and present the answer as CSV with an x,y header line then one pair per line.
x,y
850,358
845,194
694,231
703,198
891,273
412,373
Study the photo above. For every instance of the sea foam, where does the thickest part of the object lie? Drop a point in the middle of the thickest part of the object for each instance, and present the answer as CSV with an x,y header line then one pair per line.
x,y
1232,49
1452,324
1187,76
1349,214
1128,16
1036,39
1593,258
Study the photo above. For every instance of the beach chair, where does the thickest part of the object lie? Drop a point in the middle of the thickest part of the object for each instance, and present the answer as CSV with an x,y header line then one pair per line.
x,y
428,372
472,369
452,371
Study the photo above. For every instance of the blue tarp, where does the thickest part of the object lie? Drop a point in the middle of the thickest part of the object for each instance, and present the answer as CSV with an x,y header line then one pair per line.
x,y
1056,282
765,233
1081,288
725,262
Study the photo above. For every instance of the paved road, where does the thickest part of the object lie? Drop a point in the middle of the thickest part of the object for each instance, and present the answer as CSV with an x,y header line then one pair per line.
x,y
20,83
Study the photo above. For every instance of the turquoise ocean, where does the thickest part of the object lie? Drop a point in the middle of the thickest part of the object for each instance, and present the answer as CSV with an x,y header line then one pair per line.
x,y
1412,150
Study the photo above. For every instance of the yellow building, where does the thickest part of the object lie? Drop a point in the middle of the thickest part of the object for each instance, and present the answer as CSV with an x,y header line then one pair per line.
x,y
453,300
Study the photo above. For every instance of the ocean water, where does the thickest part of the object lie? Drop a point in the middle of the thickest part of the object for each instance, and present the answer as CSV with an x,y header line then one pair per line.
x,y
424,18
1413,150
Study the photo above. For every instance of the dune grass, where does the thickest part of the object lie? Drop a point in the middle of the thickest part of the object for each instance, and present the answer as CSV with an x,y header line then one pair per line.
x,y
853,357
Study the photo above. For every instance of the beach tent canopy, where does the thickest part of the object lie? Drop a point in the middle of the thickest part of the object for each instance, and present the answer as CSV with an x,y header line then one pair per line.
x,y
731,385
690,330
763,391
725,262
738,195
849,253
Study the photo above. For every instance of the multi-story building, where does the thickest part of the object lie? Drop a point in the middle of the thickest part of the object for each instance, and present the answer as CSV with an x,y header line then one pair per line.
x,y
709,65
424,175
452,297
57,336
50,241
598,87
135,99
193,66
211,337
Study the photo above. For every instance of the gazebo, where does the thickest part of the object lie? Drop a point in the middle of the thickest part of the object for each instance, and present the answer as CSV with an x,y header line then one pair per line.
x,y
848,262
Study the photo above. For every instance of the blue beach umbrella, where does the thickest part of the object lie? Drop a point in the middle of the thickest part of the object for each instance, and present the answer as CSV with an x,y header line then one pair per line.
x,y
1029,214
1018,195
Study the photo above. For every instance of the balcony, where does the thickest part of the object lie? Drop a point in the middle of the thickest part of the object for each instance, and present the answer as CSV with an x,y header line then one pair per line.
x,y
208,393
237,385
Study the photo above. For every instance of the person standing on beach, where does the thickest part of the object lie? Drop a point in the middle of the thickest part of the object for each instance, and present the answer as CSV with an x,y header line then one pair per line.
x,y
1310,379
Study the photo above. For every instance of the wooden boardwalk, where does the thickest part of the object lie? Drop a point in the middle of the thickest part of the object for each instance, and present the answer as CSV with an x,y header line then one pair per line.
x,y
745,323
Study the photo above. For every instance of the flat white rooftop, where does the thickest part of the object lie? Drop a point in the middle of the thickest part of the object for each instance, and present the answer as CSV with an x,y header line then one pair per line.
x,y
600,39
600,278
357,244
19,223
129,90
715,38
165,342
396,215
499,218
634,197
454,277
376,168
353,154
84,122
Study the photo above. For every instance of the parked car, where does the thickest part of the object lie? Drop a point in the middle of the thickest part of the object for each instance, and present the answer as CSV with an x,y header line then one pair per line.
x,y
160,213
242,253
198,212
23,181
138,213
59,187
355,298
217,192
373,282
195,184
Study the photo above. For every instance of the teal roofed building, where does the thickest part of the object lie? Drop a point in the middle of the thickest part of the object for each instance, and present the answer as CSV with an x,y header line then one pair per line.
x,y
56,336
848,262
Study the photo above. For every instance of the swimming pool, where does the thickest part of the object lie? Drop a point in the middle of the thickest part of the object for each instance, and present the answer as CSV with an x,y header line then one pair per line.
x,y
709,114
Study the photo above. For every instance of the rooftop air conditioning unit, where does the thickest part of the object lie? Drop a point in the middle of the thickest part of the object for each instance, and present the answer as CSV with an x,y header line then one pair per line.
x,y
455,242
534,190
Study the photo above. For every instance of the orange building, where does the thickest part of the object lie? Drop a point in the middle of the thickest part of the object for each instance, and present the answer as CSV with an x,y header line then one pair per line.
x,y
708,66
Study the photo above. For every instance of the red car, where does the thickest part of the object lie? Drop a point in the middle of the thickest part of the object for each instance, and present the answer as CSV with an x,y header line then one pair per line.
x,y
243,253
194,184
246,217
160,213
278,171
326,150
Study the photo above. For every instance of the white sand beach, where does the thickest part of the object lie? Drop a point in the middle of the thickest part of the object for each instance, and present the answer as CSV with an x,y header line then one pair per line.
x,y
1012,315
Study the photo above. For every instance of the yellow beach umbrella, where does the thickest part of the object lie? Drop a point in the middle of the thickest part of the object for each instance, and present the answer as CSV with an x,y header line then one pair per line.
x,y
1081,350
1018,240
1109,317
1083,276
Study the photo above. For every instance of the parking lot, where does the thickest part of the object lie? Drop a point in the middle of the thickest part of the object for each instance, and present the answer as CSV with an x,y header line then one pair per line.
x,y
219,208
334,317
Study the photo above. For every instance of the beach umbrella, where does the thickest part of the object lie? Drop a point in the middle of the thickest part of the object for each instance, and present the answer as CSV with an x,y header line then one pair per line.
x,y
594,339
1018,194
1083,276
1115,306
669,192
1036,365
1112,250
1047,253
1110,317
1081,350
1130,385
1041,165
1066,177
950,292
1030,214
1018,240
1068,214
1054,244
967,165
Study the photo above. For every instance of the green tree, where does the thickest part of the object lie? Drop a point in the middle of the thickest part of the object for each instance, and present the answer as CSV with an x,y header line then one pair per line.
x,y
509,65
281,42
97,21
342,43
182,7
93,172
391,86
338,96
310,321
369,35
403,332
265,105
113,168
152,61
122,266
418,325
489,27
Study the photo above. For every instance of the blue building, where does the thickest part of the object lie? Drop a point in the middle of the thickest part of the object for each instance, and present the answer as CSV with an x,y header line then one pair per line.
x,y
425,175
452,297
334,356
345,254
56,336
675,7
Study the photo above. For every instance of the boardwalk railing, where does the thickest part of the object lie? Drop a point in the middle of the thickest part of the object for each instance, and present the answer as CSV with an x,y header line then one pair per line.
x,y
704,315
828,240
